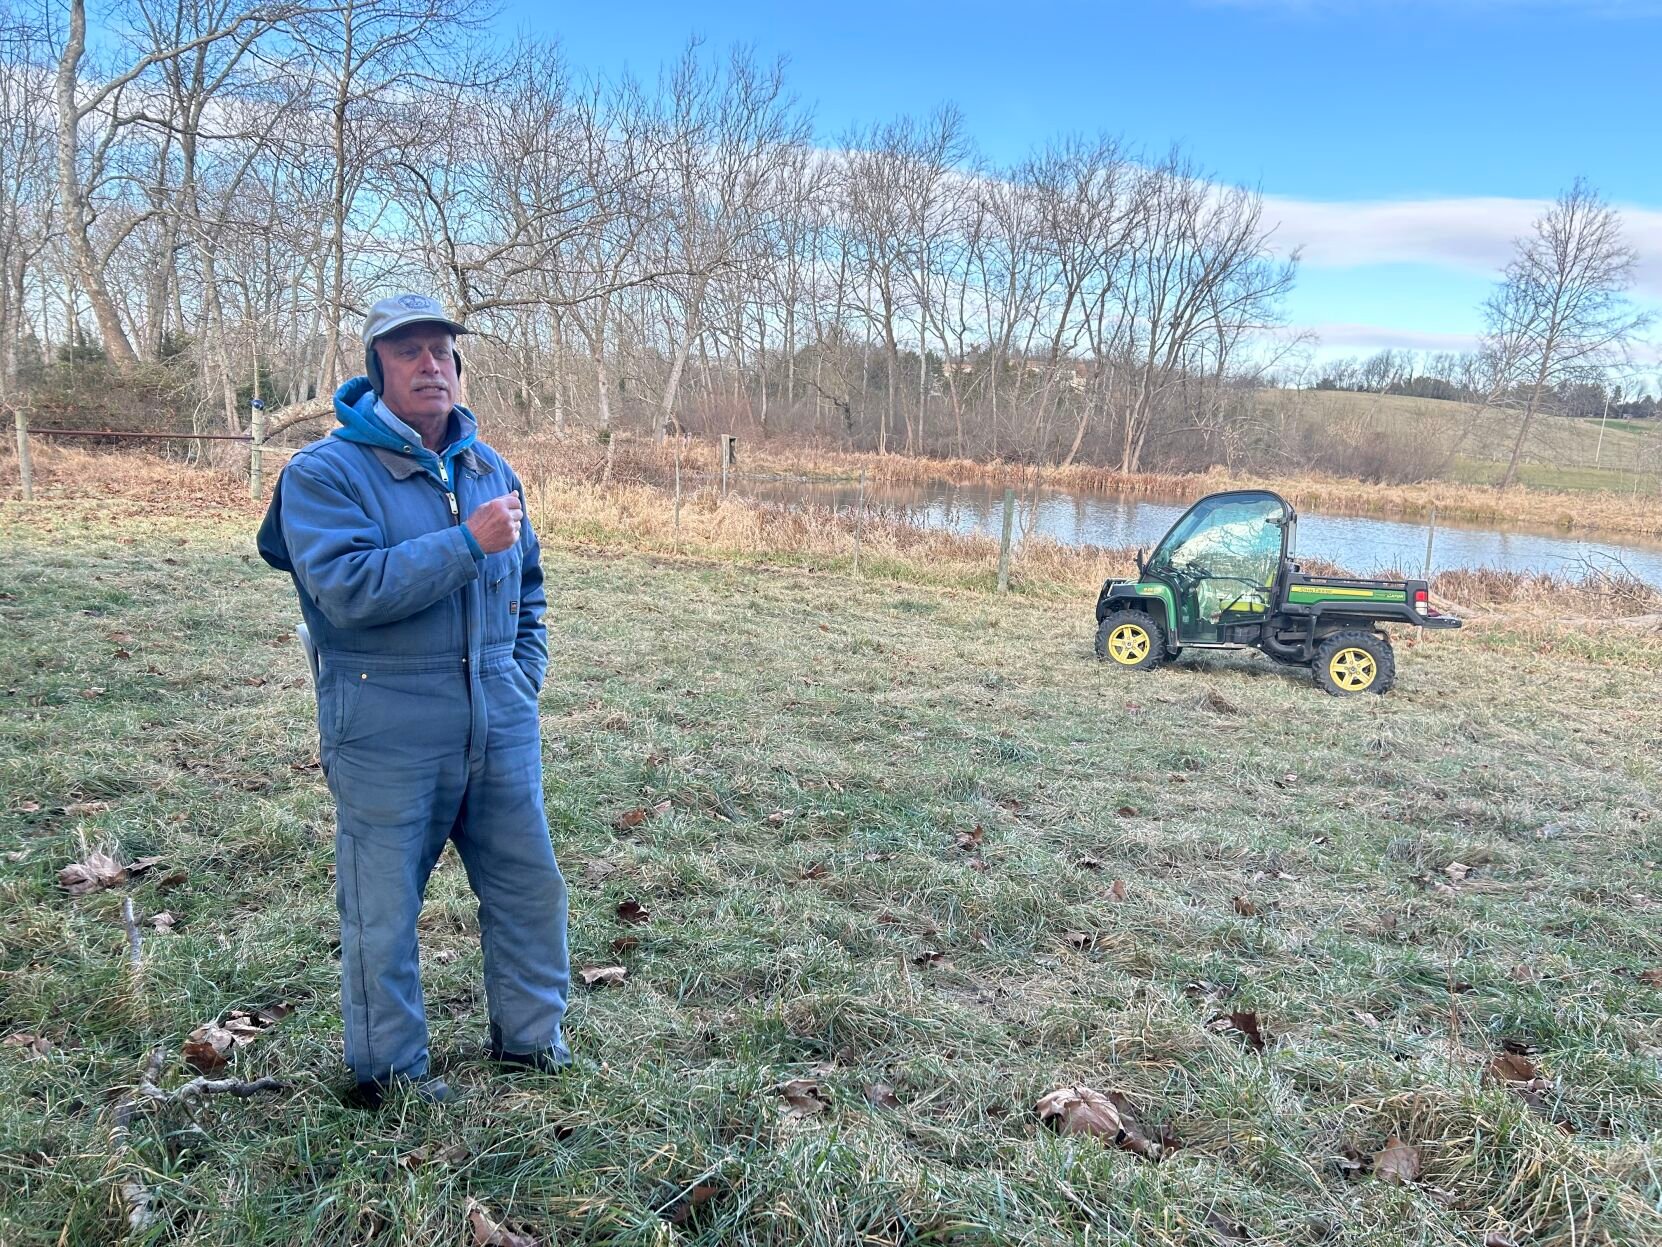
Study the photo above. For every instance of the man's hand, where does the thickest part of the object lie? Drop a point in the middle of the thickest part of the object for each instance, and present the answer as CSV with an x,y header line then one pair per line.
x,y
495,525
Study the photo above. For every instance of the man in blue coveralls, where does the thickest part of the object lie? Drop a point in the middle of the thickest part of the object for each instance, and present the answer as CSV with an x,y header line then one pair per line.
x,y
422,590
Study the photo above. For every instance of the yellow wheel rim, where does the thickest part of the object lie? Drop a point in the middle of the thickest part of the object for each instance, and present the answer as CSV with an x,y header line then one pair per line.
x,y
1128,644
1352,669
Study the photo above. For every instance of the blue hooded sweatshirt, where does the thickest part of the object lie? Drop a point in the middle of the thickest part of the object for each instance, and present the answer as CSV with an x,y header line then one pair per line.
x,y
370,525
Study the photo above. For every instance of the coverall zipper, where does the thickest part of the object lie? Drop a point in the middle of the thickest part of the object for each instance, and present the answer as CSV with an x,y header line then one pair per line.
x,y
456,515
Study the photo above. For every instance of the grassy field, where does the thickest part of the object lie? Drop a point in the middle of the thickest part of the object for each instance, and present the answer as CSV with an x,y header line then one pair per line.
x,y
1567,455
896,817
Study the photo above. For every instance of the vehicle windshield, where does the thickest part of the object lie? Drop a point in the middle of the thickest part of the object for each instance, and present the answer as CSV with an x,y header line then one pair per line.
x,y
1234,537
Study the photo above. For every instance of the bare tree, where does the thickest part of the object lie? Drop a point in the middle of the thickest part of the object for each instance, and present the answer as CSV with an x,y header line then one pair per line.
x,y
1560,312
27,219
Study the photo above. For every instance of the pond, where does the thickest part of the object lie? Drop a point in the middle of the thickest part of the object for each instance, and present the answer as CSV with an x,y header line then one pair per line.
x,y
1362,544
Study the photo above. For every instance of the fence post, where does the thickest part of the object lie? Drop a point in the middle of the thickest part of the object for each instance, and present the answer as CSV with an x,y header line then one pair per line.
x,y
1004,541
25,465
1430,535
256,455
859,519
678,486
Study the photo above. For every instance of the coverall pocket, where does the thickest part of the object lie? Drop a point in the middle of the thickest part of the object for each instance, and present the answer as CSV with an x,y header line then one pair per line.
x,y
338,703
502,579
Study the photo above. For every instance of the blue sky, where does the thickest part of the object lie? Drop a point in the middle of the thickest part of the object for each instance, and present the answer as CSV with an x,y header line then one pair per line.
x,y
1401,142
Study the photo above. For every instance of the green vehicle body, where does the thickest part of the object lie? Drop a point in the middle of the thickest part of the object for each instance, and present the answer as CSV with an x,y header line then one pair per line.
x,y
1223,577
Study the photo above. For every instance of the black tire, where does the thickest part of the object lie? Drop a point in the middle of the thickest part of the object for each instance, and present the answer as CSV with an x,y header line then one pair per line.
x,y
1130,640
1352,662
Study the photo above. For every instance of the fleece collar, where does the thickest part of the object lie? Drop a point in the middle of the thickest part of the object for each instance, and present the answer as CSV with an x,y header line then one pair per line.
x,y
393,442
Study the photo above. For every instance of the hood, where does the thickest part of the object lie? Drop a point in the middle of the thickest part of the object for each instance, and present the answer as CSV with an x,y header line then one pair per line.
x,y
355,409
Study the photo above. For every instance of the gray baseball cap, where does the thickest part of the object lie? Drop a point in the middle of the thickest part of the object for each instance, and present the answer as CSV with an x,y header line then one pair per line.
x,y
396,311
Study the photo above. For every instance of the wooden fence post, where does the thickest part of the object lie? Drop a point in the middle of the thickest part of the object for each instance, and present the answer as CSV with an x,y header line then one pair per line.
x,y
256,452
25,465
859,519
1430,535
1004,541
678,487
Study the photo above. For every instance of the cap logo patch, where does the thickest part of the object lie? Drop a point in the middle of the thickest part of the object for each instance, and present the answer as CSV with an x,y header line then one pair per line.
x,y
416,303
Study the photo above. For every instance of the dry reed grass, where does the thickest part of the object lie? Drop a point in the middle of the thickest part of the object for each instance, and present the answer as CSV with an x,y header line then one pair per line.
x,y
636,460
570,507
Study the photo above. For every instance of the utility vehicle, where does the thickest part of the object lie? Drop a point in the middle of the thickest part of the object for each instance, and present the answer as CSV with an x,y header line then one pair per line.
x,y
1224,578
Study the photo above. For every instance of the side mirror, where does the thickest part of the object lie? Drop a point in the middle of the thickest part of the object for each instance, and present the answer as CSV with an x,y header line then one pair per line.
x,y
1142,560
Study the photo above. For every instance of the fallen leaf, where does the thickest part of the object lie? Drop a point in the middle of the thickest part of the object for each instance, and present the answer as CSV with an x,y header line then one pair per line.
x,y
1244,907
444,956
1090,863
631,818
1496,1239
803,1098
818,870
1134,1137
1457,871
163,921
1127,811
1117,892
1216,701
625,944
1367,1019
1079,1110
77,809
454,1154
682,1210
1350,1162
1397,1161
205,1049
604,976
34,1045
1247,1025
91,693
980,866
173,879
778,817
876,856
1513,1067
932,957
881,1095
27,807
1651,977
489,1233
970,839
1077,939
1227,1231
630,911
142,864
100,870
254,681
122,653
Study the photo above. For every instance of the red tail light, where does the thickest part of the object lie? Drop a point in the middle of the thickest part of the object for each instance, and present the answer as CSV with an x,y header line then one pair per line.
x,y
1420,605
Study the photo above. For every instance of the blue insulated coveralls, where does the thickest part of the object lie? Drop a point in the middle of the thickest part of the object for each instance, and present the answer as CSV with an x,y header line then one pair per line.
x,y
431,655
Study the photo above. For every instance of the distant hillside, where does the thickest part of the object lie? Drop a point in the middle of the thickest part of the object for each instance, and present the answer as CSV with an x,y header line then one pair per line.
x,y
1559,453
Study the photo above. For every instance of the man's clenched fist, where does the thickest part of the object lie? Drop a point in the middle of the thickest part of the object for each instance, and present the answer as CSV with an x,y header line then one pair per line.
x,y
495,525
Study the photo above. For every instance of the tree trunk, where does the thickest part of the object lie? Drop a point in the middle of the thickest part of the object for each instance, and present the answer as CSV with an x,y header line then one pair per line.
x,y
117,349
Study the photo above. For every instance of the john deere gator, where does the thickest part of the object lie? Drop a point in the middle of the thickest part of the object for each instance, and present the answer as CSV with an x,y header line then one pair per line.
x,y
1224,578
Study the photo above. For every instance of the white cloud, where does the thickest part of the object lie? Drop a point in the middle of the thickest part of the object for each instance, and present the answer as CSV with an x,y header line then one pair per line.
x,y
1472,235
1378,337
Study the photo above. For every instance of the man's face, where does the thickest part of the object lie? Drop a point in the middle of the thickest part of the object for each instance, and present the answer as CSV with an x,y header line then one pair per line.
x,y
418,366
